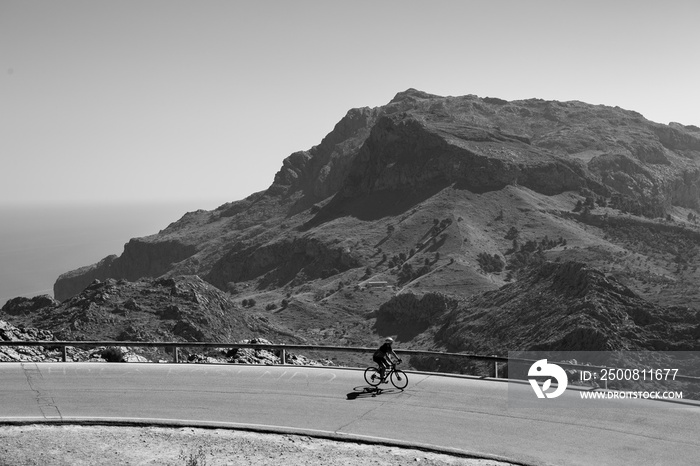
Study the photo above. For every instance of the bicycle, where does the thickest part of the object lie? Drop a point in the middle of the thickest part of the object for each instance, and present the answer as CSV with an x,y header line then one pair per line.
x,y
398,378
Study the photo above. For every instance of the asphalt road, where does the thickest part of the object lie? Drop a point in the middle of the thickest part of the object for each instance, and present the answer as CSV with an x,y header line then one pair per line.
x,y
463,414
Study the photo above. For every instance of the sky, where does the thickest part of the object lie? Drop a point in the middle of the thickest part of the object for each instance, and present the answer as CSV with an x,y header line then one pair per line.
x,y
201,101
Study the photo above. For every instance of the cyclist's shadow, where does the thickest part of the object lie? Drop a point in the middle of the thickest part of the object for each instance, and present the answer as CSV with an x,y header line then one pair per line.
x,y
368,391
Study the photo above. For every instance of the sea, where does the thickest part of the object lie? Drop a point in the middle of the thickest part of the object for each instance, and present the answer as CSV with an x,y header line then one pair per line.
x,y
40,242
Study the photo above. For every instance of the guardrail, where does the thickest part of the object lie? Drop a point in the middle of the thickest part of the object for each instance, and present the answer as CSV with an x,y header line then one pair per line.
x,y
284,348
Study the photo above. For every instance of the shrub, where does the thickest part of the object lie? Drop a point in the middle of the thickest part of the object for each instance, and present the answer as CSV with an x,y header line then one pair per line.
x,y
513,233
490,263
113,354
406,273
194,458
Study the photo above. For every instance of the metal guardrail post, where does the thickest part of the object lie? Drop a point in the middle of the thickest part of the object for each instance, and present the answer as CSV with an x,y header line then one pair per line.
x,y
176,358
64,353
283,356
495,369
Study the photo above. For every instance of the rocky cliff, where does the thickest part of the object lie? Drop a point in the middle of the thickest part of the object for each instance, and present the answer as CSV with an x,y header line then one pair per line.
x,y
415,146
139,259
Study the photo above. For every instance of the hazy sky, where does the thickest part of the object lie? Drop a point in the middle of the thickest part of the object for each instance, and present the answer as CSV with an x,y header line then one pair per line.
x,y
112,101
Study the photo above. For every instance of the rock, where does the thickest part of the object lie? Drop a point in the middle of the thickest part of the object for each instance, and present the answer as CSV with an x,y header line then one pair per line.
x,y
9,332
266,357
17,306
171,312
131,305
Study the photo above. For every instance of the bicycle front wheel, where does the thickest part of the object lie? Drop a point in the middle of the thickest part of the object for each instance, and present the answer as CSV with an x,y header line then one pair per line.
x,y
399,379
372,376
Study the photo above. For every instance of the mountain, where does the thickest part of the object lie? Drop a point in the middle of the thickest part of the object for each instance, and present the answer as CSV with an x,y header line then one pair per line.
x,y
180,309
168,309
452,195
557,306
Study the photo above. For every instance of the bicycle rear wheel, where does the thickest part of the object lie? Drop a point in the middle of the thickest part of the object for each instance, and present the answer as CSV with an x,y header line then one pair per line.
x,y
399,379
372,376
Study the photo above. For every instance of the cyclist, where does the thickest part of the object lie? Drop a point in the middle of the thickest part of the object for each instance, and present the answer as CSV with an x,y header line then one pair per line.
x,y
381,356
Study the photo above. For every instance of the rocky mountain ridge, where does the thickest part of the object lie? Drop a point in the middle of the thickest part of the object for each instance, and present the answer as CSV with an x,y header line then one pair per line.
x,y
415,143
456,195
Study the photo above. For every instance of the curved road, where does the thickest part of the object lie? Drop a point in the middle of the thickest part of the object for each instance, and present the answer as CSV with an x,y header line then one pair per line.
x,y
454,413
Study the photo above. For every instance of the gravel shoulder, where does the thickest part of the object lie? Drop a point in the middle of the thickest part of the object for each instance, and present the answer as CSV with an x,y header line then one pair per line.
x,y
38,444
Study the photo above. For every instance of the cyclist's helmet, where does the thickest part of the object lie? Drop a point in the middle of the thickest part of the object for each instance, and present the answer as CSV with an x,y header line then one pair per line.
x,y
389,340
